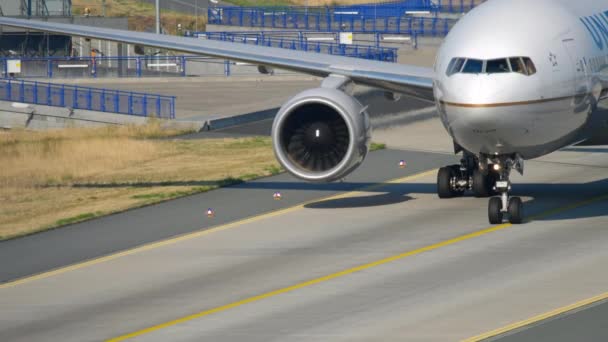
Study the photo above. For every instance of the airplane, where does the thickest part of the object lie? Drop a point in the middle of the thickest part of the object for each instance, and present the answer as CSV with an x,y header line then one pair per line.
x,y
513,80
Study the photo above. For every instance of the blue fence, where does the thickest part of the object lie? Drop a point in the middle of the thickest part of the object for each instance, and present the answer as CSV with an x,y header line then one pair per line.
x,y
104,100
371,11
312,17
100,66
295,40
404,7
456,6
329,21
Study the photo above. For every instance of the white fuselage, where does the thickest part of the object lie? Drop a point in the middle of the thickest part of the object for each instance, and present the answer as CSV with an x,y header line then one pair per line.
x,y
530,113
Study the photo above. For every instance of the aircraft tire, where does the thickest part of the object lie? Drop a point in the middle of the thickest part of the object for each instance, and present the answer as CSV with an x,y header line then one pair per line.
x,y
494,210
482,184
444,176
516,210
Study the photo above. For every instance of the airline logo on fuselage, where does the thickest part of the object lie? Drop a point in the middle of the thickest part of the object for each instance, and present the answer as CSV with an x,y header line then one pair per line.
x,y
597,25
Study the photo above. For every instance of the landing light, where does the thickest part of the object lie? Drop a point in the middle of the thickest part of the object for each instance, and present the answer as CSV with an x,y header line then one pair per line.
x,y
496,167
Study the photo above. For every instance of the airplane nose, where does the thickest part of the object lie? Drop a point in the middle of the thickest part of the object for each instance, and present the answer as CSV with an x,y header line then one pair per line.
x,y
486,129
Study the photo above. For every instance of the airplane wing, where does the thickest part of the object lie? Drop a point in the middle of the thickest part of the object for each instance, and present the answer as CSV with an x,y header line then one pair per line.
x,y
405,79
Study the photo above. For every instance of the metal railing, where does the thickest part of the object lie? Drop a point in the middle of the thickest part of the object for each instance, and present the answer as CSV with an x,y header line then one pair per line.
x,y
99,66
329,21
96,99
457,6
174,66
297,40
123,66
379,40
239,15
37,9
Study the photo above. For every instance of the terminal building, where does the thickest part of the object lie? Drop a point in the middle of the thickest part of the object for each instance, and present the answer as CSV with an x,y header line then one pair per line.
x,y
15,42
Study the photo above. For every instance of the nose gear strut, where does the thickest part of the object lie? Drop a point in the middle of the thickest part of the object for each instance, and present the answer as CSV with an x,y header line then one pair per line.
x,y
512,206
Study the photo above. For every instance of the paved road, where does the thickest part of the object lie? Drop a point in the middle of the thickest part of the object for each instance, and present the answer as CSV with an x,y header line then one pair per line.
x,y
210,98
431,282
203,98
587,324
51,249
424,278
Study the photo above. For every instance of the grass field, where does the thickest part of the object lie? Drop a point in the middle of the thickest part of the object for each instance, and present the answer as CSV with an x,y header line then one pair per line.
x,y
299,2
141,15
53,178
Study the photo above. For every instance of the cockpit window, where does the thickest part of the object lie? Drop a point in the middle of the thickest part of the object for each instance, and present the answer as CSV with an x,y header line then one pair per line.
x,y
455,66
517,65
495,66
520,65
473,66
531,69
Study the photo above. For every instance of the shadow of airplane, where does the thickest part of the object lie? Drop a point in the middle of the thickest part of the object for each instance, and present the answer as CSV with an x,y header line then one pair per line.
x,y
392,193
360,201
586,149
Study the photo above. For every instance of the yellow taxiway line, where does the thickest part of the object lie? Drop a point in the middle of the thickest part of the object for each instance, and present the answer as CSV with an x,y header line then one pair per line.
x,y
554,312
343,273
538,318
200,233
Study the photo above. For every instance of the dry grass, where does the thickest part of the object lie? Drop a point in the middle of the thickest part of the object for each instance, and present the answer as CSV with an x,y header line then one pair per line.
x,y
52,178
299,2
141,15
334,2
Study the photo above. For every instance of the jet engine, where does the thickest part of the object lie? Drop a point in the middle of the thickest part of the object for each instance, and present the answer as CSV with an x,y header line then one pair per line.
x,y
321,134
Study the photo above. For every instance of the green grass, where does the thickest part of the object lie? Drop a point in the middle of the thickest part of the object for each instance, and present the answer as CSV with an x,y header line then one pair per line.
x,y
250,143
376,146
163,196
77,218
274,170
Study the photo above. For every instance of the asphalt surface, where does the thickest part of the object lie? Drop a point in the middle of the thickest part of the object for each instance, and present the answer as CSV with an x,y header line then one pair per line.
x,y
588,324
445,291
203,98
433,271
52,249
209,98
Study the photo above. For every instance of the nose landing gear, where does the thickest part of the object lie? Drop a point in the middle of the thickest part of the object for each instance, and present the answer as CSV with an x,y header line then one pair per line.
x,y
511,206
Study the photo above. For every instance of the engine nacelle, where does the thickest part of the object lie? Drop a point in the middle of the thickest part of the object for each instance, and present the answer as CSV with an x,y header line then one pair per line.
x,y
321,134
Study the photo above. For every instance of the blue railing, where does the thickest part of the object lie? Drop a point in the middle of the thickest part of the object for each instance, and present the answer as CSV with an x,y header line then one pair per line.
x,y
100,66
457,6
295,40
308,16
329,21
97,99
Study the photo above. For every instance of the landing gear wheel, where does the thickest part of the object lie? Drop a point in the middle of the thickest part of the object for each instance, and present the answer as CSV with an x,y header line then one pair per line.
x,y
455,173
495,210
444,178
481,184
516,210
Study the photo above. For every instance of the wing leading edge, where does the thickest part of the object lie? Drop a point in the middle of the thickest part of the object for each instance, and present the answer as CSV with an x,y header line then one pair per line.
x,y
406,79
